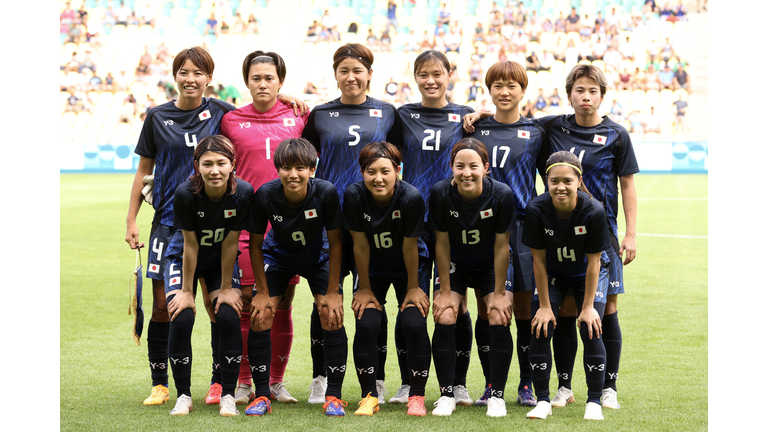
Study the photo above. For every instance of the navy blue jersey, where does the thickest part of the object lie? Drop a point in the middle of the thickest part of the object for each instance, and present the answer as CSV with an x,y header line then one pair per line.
x,y
298,236
605,152
427,136
338,132
515,152
567,241
386,226
210,220
169,136
472,227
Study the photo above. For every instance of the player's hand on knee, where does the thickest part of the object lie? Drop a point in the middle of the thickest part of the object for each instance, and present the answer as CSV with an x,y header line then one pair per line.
x,y
182,300
442,303
361,299
231,297
262,307
591,318
418,298
541,322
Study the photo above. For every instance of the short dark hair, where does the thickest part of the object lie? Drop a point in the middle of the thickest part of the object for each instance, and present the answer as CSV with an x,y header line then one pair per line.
x,y
216,144
377,150
198,56
257,57
295,151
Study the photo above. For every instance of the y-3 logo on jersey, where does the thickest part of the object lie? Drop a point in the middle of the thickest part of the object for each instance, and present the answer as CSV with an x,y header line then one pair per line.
x,y
168,122
485,132
334,114
366,217
565,130
453,213
277,218
549,232
414,115
245,125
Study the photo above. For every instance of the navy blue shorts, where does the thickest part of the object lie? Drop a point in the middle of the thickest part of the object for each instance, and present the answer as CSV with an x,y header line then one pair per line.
x,y
278,279
559,289
615,268
522,261
159,239
210,272
461,278
380,284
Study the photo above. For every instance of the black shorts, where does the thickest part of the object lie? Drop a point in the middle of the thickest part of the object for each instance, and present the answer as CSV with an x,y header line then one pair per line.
x,y
159,238
380,284
461,278
278,279
209,272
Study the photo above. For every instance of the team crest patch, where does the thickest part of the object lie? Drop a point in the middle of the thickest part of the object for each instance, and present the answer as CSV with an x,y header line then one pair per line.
x,y
153,268
289,122
599,139
230,213
175,281
310,214
486,213
205,115
396,214
454,118
524,134
580,230
375,113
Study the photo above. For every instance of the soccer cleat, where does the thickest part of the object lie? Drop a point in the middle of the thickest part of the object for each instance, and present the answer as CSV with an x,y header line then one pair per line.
x,y
461,395
158,396
260,406
183,405
496,407
543,410
416,406
525,397
563,397
280,393
317,390
368,406
483,400
593,411
382,391
445,406
401,396
214,394
244,394
334,406
609,399
227,407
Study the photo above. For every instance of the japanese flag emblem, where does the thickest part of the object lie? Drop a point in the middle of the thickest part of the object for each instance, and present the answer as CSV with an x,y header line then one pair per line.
x,y
580,230
486,213
310,214
375,113
230,213
289,122
454,118
396,214
205,115
175,281
524,134
599,139
153,268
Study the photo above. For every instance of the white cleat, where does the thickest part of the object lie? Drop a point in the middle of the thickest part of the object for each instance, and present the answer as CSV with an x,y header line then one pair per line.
x,y
461,395
280,393
401,397
382,390
445,406
496,407
593,412
244,394
317,390
609,399
543,410
227,406
563,397
183,405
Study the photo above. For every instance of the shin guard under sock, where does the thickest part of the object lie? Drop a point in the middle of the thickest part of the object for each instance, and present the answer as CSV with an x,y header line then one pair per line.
x,y
414,327
157,351
612,341
381,346
500,357
316,347
245,366
180,350
401,345
216,365
364,350
260,355
230,347
523,346
444,356
335,351
594,363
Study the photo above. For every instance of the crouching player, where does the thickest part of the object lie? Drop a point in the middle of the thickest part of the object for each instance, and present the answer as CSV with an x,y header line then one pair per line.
x,y
209,211
305,239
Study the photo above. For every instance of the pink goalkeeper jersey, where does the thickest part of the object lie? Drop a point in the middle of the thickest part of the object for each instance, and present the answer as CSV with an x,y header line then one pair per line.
x,y
255,136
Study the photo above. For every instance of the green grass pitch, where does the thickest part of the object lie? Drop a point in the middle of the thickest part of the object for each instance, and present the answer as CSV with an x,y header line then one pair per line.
x,y
104,376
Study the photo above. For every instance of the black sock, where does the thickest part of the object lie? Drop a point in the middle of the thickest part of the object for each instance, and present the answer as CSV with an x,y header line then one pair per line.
x,y
157,351
419,357
364,350
565,343
483,340
260,358
216,364
444,356
500,357
335,350
612,342
463,336
230,348
180,350
523,346
381,346
540,356
594,363
316,346
401,345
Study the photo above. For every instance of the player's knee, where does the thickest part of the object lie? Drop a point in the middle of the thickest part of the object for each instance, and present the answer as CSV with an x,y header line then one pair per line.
x,y
411,321
447,317
521,305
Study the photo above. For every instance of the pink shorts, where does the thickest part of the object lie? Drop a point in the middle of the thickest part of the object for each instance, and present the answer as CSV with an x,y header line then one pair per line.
x,y
244,261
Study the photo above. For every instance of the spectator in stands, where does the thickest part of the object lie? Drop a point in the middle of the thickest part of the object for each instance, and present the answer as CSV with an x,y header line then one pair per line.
x,y
547,60
507,30
74,103
517,56
650,6
89,60
253,25
585,49
638,79
129,109
599,48
109,19
532,62
572,21
547,26
541,101
453,40
520,40
559,49
479,33
109,83
652,122
412,43
492,42
443,16
665,12
585,26
679,12
392,15
73,65
427,42
667,51
652,81
440,40
528,110
617,112
627,49
613,19
599,19
353,28
554,102
474,89
475,70
238,27
122,14
335,35
313,31
327,22
681,107
212,25
147,15
560,23
534,26
571,55
612,57
390,88
666,78
521,9
372,41
385,42
502,55
224,29
680,79
625,80
496,22
636,122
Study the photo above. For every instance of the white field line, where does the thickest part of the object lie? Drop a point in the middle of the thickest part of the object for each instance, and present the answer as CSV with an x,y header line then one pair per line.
x,y
670,235
674,199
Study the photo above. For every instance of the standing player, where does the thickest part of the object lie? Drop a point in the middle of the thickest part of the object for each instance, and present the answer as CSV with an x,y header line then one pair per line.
x,y
567,232
385,217
256,130
305,239
605,150
472,216
428,131
338,130
209,210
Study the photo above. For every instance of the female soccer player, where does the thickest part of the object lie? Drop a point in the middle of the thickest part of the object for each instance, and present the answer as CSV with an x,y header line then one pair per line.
x,y
567,232
385,217
605,150
256,130
305,239
472,217
209,210
428,131
338,130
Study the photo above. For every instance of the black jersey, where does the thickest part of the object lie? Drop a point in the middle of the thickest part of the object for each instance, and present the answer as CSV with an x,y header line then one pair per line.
x,y
605,152
427,136
298,236
169,136
472,227
338,132
210,220
567,241
386,226
515,152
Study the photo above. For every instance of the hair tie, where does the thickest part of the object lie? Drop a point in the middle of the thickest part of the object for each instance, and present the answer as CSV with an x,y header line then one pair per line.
x,y
566,164
356,57
263,55
362,164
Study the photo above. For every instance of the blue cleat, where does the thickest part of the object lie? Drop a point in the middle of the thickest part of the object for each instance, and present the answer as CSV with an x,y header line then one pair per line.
x,y
334,406
525,397
484,398
259,407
